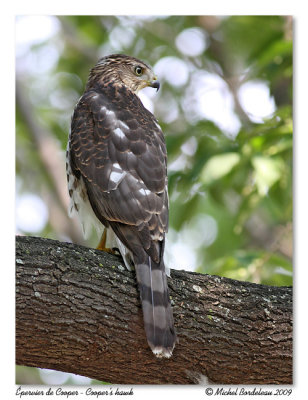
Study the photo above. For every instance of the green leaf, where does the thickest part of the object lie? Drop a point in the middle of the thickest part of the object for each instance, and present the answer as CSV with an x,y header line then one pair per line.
x,y
267,172
219,166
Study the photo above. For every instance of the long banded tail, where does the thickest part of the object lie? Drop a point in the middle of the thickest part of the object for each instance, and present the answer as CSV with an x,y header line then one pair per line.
x,y
156,307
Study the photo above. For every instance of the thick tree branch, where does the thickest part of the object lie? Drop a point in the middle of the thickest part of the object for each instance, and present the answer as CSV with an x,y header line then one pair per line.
x,y
78,310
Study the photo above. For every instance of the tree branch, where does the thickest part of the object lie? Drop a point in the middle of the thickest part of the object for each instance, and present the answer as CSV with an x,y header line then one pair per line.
x,y
78,310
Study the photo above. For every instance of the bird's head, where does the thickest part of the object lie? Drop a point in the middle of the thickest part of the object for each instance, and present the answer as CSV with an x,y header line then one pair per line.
x,y
122,69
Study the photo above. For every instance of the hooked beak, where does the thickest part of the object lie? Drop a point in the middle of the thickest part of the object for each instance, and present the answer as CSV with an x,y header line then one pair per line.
x,y
155,84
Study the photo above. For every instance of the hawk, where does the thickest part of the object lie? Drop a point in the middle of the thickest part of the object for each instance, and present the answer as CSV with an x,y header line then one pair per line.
x,y
117,181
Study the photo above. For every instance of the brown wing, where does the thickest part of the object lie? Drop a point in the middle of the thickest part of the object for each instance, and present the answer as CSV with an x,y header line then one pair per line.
x,y
119,150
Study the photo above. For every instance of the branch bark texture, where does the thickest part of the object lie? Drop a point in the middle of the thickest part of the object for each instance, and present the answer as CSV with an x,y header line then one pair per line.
x,y
78,310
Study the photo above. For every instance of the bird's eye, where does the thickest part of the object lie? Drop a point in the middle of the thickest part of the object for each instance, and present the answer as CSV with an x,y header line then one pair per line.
x,y
138,70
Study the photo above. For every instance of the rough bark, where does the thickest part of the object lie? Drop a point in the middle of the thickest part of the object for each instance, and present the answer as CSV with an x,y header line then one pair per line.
x,y
78,310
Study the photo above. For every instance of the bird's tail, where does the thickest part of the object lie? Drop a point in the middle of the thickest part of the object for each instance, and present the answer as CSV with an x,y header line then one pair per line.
x,y
156,307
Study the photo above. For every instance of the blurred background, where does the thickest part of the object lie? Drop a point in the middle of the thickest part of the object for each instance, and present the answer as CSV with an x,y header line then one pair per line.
x,y
225,106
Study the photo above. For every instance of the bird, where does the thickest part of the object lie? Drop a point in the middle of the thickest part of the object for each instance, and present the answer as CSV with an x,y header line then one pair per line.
x,y
116,164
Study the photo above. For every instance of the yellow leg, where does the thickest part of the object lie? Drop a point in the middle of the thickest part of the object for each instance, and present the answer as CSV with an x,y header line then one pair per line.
x,y
102,244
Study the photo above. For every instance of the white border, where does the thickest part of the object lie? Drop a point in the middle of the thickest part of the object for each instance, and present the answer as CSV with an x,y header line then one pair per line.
x,y
159,7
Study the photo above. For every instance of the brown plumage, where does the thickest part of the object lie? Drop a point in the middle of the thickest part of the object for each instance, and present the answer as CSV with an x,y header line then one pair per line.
x,y
117,178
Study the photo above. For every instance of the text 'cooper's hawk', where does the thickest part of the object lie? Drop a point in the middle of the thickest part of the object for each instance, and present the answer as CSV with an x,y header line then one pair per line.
x,y
117,180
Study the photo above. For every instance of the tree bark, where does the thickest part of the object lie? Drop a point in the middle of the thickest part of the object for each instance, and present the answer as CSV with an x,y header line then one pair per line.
x,y
78,310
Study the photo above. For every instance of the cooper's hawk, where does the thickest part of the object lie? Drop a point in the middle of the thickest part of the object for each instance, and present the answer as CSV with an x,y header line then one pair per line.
x,y
117,180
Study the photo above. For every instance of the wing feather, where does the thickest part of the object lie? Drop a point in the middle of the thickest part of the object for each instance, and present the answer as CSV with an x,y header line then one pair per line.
x,y
120,152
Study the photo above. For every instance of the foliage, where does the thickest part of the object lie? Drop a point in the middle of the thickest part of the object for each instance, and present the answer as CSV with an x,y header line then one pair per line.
x,y
230,181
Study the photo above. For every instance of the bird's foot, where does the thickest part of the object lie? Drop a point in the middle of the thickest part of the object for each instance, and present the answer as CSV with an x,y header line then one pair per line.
x,y
102,245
